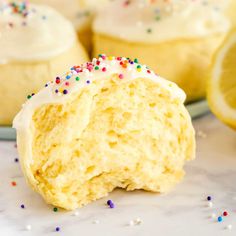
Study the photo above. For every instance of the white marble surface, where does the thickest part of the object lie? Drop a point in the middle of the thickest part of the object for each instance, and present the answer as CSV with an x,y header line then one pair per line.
x,y
182,212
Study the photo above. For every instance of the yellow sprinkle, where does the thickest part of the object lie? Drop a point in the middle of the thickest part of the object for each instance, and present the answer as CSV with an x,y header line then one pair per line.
x,y
139,69
110,58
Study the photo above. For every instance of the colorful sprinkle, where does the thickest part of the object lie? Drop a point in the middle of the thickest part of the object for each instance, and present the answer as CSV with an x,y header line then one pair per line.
x,y
28,227
62,85
22,206
138,221
55,209
121,76
209,198
131,223
225,213
220,219
13,183
57,229
76,213
210,204
213,215
110,204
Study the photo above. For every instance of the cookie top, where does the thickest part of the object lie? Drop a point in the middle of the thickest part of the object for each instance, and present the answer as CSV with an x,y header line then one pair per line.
x,y
161,20
31,32
78,77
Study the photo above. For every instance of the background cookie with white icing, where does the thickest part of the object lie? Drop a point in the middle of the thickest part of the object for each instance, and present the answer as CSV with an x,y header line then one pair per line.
x,y
176,38
36,42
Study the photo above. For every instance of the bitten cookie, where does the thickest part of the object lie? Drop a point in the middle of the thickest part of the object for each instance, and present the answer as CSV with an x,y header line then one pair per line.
x,y
105,124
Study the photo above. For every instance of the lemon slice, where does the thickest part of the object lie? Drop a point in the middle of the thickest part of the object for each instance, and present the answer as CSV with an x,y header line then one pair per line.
x,y
221,90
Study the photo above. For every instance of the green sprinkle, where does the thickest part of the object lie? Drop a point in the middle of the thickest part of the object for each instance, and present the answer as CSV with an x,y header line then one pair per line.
x,y
29,96
96,68
77,78
138,67
55,209
135,60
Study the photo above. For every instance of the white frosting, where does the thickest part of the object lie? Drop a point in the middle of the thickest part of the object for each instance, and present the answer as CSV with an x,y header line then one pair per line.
x,y
79,12
141,21
87,73
42,34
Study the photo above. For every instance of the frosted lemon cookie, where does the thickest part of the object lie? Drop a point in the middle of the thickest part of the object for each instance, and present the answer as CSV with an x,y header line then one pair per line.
x,y
105,124
36,43
176,38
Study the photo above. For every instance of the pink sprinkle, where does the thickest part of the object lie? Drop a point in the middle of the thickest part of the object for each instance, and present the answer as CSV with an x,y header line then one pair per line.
x,y
67,83
90,67
121,76
104,69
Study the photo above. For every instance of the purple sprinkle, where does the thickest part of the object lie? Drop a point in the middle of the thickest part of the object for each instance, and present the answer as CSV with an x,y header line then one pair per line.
x,y
112,205
65,91
16,159
22,206
57,229
88,82
56,91
109,202
209,198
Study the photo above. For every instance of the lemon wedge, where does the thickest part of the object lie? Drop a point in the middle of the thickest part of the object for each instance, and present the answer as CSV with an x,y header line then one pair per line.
x,y
221,91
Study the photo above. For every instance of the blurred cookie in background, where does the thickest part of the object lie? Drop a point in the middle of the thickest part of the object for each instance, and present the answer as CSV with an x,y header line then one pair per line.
x,y
176,38
80,13
36,44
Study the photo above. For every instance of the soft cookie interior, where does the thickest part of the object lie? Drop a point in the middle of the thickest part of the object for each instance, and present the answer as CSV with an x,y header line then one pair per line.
x,y
130,134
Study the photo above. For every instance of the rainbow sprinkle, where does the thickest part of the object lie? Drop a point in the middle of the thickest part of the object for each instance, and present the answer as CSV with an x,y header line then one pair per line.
x,y
83,74
22,9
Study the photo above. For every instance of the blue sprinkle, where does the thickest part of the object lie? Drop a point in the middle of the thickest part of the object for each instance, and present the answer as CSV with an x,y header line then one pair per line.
x,y
220,219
